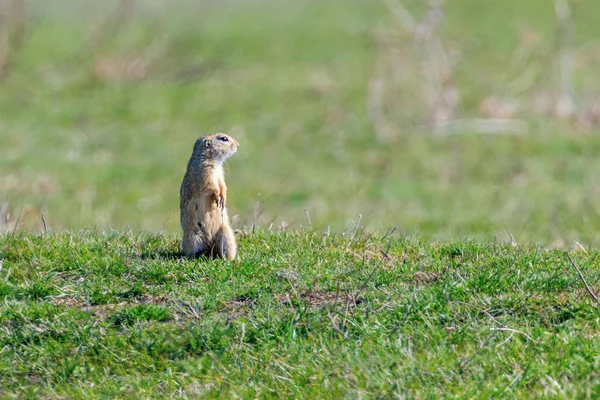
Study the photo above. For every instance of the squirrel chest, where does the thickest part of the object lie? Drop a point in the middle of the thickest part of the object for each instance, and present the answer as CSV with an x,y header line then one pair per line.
x,y
203,196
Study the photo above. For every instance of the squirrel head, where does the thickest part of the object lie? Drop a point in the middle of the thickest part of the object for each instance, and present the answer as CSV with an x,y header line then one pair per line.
x,y
215,147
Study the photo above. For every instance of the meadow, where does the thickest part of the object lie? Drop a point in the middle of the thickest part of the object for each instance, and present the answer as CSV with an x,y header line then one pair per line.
x,y
300,315
381,254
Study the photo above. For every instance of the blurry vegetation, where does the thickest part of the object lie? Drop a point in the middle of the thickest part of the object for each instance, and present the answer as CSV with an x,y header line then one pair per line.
x,y
458,118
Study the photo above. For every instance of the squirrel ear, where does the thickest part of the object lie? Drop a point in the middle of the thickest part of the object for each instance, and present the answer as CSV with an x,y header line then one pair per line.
x,y
208,143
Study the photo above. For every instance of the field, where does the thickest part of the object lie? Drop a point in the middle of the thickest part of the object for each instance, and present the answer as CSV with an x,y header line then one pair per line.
x,y
380,255
301,315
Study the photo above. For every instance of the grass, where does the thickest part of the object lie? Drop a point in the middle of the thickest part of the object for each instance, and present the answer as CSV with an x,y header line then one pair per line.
x,y
88,315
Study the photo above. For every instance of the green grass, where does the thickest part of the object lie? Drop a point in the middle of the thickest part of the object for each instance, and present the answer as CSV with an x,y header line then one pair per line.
x,y
302,314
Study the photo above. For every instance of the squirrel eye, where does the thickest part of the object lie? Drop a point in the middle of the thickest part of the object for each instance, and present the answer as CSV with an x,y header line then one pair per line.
x,y
223,139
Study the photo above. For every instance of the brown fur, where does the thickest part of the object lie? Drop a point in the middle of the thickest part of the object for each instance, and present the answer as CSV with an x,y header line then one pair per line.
x,y
203,196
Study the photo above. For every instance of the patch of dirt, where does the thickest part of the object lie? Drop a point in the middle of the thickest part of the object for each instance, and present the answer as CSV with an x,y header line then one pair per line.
x,y
100,310
68,301
237,304
152,299
237,308
376,253
287,275
33,378
422,277
321,299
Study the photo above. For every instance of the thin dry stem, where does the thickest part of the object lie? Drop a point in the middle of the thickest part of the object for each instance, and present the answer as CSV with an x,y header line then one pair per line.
x,y
587,287
356,228
308,219
45,230
515,331
335,326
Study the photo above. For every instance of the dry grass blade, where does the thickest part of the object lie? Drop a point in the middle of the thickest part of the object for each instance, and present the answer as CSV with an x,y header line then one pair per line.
x,y
335,326
464,363
189,309
16,224
587,287
356,228
580,246
308,219
45,226
375,268
515,331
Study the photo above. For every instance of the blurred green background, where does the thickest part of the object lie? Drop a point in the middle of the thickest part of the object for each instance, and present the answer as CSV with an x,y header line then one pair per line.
x,y
340,109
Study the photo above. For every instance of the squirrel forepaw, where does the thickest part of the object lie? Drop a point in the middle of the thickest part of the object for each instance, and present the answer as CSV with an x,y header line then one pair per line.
x,y
220,202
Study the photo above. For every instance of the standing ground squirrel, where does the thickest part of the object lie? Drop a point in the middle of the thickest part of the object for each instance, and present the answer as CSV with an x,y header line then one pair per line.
x,y
203,195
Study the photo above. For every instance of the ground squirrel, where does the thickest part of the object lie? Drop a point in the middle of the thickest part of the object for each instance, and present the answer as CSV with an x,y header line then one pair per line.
x,y
203,195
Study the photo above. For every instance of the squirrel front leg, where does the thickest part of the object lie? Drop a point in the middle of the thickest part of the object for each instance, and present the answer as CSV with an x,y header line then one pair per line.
x,y
214,191
219,191
219,199
223,194
219,196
